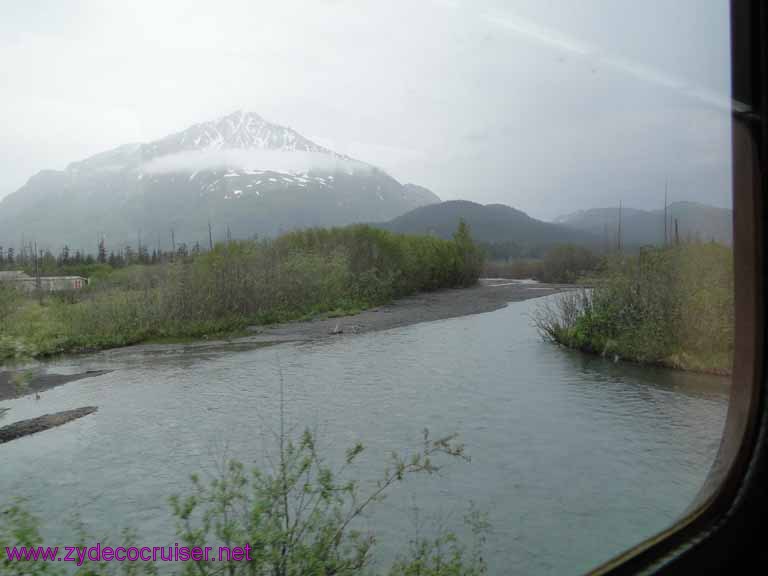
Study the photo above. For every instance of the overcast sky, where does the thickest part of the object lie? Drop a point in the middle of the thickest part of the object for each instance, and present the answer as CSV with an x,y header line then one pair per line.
x,y
548,106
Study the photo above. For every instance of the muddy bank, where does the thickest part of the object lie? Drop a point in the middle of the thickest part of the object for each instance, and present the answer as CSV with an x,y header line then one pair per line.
x,y
488,295
14,384
34,425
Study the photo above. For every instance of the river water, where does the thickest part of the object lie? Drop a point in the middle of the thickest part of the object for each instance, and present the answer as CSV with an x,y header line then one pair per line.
x,y
573,458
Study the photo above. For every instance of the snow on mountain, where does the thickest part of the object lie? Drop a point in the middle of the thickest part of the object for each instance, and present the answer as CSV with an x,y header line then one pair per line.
x,y
239,130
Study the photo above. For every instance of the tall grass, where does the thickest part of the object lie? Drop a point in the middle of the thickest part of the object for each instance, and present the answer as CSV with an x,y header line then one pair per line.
x,y
670,306
299,274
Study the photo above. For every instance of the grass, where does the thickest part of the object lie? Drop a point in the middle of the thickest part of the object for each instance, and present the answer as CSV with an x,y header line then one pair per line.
x,y
672,307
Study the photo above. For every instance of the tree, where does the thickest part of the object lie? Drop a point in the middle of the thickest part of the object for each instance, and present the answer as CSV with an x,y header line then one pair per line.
x,y
143,254
129,255
102,255
566,263
470,255
64,258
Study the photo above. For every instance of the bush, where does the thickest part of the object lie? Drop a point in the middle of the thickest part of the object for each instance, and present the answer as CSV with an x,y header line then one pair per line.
x,y
299,274
566,263
671,306
9,302
562,264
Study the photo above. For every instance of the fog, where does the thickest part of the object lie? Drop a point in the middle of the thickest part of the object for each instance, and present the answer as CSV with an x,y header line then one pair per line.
x,y
548,107
277,161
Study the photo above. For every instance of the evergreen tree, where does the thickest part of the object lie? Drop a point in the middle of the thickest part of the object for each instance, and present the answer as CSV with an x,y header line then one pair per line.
x,y
102,257
64,260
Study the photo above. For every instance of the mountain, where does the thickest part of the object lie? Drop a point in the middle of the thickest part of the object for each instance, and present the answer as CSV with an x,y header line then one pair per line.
x,y
243,174
491,223
641,227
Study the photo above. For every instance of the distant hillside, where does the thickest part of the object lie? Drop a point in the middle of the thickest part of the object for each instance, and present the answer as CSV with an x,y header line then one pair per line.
x,y
640,227
492,223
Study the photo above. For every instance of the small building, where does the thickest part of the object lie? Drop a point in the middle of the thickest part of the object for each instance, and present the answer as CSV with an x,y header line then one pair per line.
x,y
29,283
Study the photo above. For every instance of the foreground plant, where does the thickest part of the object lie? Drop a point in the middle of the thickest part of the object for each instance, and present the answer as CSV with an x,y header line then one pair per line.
x,y
300,517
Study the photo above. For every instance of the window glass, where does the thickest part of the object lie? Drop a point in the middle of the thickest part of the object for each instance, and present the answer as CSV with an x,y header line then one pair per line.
x,y
360,287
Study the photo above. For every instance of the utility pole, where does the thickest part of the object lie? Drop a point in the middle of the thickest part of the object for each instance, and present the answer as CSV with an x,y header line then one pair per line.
x,y
210,236
666,184
677,233
38,287
173,242
618,239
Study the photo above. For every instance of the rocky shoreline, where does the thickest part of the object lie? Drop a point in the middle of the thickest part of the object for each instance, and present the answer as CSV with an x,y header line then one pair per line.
x,y
488,295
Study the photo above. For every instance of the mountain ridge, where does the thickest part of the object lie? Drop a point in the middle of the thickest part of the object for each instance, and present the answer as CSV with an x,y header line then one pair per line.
x,y
695,220
489,223
244,174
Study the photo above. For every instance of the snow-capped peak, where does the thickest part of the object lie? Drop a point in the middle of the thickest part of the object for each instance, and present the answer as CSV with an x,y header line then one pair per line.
x,y
237,131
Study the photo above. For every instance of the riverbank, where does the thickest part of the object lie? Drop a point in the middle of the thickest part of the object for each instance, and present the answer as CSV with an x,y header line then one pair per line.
x,y
14,384
486,296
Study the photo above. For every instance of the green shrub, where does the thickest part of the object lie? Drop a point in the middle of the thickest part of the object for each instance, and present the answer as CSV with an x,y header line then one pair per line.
x,y
671,306
299,274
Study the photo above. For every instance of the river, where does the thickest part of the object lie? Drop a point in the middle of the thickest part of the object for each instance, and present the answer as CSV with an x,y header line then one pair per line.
x,y
573,458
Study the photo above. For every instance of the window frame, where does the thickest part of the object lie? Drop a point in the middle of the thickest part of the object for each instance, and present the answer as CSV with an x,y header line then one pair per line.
x,y
719,531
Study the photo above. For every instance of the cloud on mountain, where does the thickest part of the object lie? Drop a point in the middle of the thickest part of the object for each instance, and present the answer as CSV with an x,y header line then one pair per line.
x,y
275,160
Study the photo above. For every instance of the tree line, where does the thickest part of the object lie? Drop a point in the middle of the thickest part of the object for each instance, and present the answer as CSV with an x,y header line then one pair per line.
x,y
69,261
